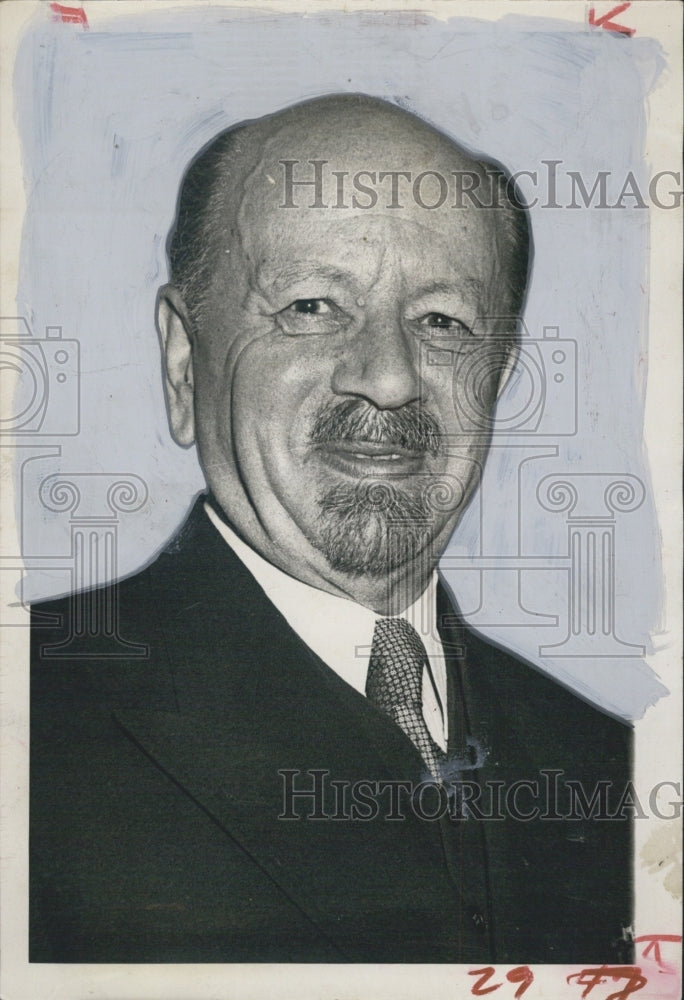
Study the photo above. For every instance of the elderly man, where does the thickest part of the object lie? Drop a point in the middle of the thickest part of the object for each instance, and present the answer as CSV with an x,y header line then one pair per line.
x,y
302,768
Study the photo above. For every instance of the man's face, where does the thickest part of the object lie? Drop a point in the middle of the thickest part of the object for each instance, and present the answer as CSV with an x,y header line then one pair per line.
x,y
325,376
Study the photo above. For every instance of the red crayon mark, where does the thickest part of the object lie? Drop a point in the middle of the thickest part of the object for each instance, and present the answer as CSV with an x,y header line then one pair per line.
x,y
606,22
589,978
522,975
653,942
69,15
479,989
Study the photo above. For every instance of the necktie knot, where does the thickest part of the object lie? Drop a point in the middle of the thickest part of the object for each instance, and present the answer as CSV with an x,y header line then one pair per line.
x,y
397,659
394,683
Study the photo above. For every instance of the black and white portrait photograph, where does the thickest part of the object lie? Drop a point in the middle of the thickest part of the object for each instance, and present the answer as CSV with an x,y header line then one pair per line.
x,y
341,434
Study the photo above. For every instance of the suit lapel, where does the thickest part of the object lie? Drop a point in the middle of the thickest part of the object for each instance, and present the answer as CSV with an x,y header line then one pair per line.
x,y
216,769
253,702
466,845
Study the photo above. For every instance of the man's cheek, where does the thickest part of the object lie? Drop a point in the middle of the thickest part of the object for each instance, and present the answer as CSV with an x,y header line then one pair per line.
x,y
474,392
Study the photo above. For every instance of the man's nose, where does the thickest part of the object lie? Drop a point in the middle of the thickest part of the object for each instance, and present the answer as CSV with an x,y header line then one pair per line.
x,y
380,365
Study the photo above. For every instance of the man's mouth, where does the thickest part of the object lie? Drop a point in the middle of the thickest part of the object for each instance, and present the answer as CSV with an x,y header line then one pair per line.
x,y
368,458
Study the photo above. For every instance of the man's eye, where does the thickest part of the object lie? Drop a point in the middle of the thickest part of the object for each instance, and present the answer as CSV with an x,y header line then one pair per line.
x,y
311,307
438,321
311,316
435,324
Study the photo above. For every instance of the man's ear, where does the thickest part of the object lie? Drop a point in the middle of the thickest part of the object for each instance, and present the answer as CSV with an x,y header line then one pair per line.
x,y
176,339
508,366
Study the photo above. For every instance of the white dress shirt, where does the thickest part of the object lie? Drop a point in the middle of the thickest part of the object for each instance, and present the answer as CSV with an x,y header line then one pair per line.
x,y
340,632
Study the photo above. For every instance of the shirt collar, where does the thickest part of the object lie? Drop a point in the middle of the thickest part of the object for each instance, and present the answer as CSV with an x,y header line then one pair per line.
x,y
337,629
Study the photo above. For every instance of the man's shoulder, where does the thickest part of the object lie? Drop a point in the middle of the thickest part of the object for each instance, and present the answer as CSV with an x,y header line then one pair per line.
x,y
97,611
108,645
144,591
554,723
513,671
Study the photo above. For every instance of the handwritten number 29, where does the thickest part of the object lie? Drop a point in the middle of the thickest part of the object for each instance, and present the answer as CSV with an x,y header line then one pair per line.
x,y
522,974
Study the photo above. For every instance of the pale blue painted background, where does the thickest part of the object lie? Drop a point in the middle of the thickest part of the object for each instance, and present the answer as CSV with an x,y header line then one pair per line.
x,y
108,121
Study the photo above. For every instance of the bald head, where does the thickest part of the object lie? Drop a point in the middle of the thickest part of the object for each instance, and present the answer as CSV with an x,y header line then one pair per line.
x,y
338,156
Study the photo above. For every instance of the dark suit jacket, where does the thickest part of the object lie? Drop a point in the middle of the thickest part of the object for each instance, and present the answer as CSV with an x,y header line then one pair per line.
x,y
156,792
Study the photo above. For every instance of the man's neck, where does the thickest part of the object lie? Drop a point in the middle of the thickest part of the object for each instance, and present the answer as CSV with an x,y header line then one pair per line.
x,y
386,595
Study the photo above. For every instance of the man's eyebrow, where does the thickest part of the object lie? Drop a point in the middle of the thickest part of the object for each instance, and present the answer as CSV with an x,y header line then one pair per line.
x,y
470,285
294,271
301,270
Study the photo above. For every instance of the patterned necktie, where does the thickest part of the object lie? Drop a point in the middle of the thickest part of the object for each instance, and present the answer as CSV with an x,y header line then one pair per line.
x,y
394,684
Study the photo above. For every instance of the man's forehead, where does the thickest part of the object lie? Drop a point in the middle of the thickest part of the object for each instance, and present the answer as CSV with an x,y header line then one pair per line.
x,y
357,240
343,249
281,275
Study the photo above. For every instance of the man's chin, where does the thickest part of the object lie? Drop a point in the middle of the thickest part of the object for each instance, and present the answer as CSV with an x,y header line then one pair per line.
x,y
375,558
374,532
